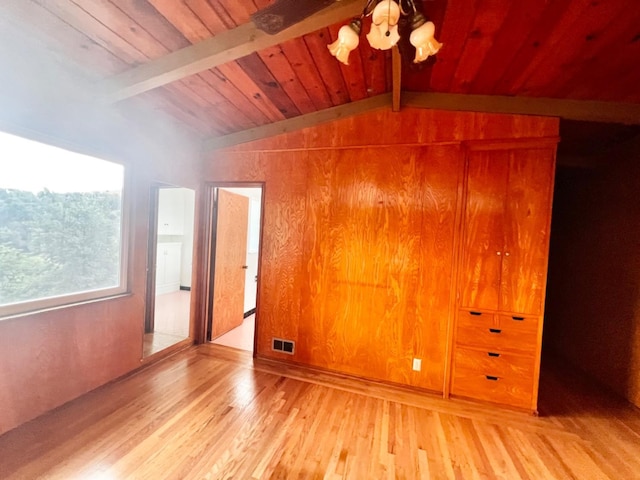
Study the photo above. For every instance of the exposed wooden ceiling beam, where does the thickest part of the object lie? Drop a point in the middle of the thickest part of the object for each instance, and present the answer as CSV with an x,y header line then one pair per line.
x,y
297,123
396,75
584,110
549,107
218,50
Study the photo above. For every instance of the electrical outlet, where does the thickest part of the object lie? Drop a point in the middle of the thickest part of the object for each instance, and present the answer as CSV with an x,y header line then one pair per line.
x,y
417,364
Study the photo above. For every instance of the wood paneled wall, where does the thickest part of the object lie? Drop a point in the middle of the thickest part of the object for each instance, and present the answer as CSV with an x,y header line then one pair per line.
x,y
49,358
593,300
360,222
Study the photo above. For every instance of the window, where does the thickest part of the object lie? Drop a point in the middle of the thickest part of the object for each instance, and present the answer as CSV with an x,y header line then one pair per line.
x,y
61,226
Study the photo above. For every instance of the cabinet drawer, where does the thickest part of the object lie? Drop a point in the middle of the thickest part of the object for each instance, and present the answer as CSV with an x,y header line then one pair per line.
x,y
476,318
498,332
515,391
490,362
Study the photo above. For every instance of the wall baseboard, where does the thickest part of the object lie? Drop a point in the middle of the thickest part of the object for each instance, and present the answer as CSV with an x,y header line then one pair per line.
x,y
248,313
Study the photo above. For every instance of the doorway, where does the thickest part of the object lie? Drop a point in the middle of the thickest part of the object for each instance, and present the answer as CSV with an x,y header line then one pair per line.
x,y
233,292
169,267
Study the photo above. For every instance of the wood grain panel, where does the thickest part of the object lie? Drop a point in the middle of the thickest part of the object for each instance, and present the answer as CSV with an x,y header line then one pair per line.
x,y
231,255
364,265
483,243
199,100
522,18
84,22
282,258
183,19
282,268
51,358
245,85
583,38
307,72
526,230
331,74
231,79
262,76
504,365
489,19
167,104
239,11
211,14
595,79
150,19
455,29
498,333
109,26
343,294
221,84
282,70
410,126
443,171
358,242
54,32
510,390
559,18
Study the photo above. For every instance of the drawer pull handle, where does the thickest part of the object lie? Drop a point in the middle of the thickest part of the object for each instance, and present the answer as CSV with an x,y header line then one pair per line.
x,y
492,378
493,354
518,318
475,313
495,330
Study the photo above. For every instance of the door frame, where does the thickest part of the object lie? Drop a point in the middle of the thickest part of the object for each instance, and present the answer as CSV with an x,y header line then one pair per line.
x,y
152,250
211,209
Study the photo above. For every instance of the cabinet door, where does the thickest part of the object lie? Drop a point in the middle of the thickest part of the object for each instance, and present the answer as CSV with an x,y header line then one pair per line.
x,y
526,230
483,225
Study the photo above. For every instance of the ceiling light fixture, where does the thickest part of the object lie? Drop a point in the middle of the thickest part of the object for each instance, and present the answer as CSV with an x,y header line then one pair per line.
x,y
385,17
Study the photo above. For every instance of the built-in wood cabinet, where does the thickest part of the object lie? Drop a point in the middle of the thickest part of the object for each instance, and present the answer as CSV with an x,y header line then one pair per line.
x,y
504,253
375,241
506,229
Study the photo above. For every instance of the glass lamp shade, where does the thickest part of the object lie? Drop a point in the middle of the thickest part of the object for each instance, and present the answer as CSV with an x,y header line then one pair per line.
x,y
348,39
384,25
423,39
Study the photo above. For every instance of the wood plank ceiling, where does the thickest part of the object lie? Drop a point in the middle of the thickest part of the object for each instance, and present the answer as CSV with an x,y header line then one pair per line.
x,y
566,49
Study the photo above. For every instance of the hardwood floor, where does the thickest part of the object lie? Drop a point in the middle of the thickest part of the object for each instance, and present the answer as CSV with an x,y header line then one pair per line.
x,y
212,412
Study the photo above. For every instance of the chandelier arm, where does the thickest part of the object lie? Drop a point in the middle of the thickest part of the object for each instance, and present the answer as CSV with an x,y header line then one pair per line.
x,y
411,6
368,8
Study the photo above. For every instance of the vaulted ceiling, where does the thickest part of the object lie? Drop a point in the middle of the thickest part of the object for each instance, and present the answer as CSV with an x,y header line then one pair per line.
x,y
202,63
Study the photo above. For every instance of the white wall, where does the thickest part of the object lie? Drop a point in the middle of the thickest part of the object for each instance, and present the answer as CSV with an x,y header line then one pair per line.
x,y
253,230
180,213
187,239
